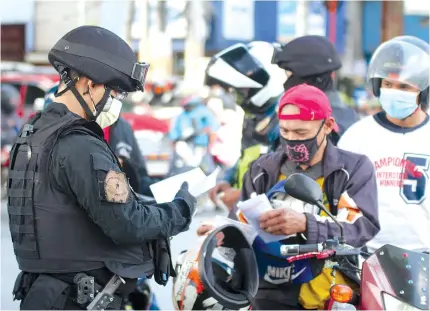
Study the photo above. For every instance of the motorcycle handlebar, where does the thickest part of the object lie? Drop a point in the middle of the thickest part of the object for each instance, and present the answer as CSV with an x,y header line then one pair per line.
x,y
297,249
349,252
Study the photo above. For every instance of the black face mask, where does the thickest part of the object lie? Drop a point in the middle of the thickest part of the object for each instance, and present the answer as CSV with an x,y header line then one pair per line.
x,y
292,81
323,81
301,151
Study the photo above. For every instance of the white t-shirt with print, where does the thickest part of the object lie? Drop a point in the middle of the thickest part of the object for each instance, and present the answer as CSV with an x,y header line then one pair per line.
x,y
402,163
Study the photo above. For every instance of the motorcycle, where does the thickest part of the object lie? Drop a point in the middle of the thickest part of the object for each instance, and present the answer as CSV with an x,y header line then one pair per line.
x,y
5,159
390,279
161,92
186,156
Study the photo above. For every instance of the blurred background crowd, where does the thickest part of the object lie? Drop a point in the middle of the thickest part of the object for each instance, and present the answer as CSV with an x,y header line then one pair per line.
x,y
178,38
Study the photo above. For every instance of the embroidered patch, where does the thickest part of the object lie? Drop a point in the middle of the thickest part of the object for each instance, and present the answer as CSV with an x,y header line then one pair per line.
x,y
116,187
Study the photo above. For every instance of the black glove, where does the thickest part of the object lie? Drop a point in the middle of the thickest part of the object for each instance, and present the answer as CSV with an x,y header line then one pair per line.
x,y
163,261
185,196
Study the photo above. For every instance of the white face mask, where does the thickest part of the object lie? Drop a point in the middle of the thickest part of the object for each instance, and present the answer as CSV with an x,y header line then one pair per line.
x,y
110,113
397,103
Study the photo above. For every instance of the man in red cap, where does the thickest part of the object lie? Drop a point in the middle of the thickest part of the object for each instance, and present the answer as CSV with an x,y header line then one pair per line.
x,y
347,181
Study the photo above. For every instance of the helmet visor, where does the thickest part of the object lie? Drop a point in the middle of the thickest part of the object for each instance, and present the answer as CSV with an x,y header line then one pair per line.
x,y
401,61
236,67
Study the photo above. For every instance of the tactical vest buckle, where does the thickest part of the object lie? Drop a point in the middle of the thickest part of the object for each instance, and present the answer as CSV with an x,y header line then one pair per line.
x,y
85,288
28,129
66,79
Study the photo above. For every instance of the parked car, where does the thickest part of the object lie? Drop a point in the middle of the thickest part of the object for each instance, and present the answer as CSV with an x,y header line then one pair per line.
x,y
151,135
32,85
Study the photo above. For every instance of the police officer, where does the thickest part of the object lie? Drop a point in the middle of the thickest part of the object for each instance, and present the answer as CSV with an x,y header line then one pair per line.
x,y
74,220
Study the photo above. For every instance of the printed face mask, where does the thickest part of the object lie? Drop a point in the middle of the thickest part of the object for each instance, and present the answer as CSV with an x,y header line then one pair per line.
x,y
398,104
301,151
110,113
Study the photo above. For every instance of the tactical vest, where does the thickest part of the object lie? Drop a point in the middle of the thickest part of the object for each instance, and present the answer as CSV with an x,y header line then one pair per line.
x,y
50,232
249,155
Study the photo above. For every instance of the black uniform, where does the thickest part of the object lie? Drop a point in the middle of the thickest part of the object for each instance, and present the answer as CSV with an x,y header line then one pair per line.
x,y
71,210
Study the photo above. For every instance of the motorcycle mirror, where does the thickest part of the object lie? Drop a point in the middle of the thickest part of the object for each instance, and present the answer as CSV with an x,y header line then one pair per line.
x,y
303,188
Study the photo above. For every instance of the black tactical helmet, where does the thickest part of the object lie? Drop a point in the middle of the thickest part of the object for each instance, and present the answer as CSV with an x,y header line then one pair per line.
x,y
100,55
308,56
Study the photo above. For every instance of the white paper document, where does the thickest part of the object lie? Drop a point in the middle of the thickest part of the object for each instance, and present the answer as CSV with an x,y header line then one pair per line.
x,y
198,183
252,209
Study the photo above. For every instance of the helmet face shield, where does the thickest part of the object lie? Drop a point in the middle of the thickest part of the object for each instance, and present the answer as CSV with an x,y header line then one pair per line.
x,y
401,61
247,71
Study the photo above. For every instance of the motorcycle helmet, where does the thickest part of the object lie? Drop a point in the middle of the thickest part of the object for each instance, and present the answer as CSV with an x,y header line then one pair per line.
x,y
404,59
10,99
103,57
272,265
246,70
307,56
217,276
191,101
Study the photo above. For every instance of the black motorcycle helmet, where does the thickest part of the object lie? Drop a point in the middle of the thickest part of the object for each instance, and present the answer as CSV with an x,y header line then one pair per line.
x,y
405,59
308,56
240,291
211,276
103,57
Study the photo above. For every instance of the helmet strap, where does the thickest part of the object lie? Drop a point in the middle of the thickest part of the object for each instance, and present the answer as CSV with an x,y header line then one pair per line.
x,y
70,85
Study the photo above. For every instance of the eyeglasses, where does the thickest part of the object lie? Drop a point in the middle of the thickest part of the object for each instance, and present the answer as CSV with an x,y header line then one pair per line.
x,y
119,95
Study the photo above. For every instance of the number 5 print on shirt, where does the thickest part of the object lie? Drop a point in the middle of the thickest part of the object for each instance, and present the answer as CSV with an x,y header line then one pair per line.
x,y
414,189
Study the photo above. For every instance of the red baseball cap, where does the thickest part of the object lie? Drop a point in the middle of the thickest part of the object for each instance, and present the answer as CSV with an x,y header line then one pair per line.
x,y
311,101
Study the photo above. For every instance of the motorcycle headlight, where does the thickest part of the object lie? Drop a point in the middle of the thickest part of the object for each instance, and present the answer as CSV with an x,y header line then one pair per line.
x,y
392,303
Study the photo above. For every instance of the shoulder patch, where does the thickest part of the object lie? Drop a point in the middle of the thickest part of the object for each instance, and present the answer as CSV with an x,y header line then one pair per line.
x,y
116,186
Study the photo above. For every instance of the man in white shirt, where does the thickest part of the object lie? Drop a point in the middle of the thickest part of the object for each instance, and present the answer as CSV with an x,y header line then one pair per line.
x,y
396,140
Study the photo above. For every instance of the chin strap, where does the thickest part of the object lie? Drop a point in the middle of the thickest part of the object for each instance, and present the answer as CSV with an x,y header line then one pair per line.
x,y
252,301
70,85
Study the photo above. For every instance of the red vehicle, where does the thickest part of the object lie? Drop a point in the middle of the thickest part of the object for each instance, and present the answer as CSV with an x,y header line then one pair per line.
x,y
390,279
151,135
5,159
32,85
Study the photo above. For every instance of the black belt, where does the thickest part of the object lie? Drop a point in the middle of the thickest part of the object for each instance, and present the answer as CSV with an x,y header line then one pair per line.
x,y
85,286
72,294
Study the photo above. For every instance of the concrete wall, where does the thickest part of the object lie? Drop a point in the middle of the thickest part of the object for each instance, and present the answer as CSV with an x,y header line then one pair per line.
x,y
53,19
19,12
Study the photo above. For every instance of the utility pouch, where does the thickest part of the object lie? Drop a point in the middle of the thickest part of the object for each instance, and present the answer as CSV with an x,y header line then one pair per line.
x,y
46,293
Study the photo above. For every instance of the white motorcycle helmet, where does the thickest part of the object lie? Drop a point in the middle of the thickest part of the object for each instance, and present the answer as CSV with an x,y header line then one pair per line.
x,y
248,72
215,277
